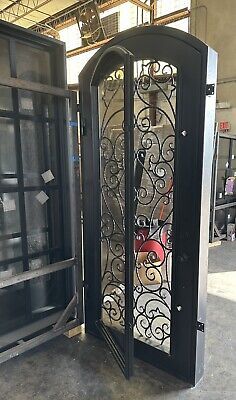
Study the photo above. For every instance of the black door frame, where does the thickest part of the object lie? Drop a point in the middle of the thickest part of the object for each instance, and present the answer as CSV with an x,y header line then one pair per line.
x,y
196,64
110,59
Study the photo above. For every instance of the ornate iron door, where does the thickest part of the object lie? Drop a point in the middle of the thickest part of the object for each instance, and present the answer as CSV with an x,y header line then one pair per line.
x,y
147,148
112,102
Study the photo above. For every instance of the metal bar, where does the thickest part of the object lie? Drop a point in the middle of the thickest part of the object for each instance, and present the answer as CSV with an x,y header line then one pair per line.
x,y
28,275
34,87
138,174
226,205
228,136
84,49
26,9
30,256
66,313
30,188
66,18
110,340
230,155
20,173
76,202
28,330
114,3
112,57
219,235
10,236
129,209
172,17
36,341
213,190
19,10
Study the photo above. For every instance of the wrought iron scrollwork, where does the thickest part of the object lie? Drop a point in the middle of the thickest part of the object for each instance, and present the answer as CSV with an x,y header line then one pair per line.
x,y
155,89
112,197
154,139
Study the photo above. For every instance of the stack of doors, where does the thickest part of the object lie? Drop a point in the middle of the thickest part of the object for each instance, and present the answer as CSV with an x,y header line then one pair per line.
x,y
35,224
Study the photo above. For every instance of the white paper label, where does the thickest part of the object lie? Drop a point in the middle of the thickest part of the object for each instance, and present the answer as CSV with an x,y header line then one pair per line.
x,y
47,176
9,205
6,274
42,197
27,103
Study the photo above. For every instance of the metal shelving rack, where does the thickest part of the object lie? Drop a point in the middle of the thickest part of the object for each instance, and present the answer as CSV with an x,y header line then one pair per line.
x,y
224,166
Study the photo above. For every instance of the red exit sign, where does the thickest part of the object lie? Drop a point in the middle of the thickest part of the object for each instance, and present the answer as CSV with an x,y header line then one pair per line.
x,y
224,126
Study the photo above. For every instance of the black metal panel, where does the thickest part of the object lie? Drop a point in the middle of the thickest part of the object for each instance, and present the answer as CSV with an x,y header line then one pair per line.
x,y
194,129
111,61
41,143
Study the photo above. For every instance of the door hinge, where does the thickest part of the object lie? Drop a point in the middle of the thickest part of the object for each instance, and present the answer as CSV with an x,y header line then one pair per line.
x,y
210,89
200,326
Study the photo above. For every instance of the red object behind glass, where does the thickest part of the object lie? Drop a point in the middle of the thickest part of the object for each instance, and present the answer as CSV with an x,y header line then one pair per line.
x,y
151,245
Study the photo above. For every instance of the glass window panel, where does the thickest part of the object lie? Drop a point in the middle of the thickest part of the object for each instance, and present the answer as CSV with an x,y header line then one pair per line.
x,y
154,143
37,242
32,152
233,161
223,165
154,146
39,152
7,152
10,248
32,103
55,218
7,270
47,292
33,64
39,286
6,98
36,213
4,58
12,300
52,150
9,213
224,148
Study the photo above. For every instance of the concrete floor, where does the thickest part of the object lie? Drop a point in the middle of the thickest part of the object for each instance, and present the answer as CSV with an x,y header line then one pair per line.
x,y
83,369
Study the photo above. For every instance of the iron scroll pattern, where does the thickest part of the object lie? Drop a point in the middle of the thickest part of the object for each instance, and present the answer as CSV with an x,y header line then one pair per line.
x,y
155,93
154,138
112,175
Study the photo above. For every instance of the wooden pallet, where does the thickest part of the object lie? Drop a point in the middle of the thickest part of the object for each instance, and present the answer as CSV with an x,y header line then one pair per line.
x,y
215,244
75,331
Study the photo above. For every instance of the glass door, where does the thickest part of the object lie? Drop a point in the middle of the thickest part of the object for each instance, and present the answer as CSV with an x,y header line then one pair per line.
x,y
112,110
146,207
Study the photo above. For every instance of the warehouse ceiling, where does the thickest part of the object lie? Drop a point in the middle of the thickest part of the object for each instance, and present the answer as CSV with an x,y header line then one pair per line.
x,y
28,13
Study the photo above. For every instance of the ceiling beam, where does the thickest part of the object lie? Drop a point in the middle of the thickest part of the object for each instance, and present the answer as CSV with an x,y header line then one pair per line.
x,y
172,17
19,9
66,18
114,3
83,49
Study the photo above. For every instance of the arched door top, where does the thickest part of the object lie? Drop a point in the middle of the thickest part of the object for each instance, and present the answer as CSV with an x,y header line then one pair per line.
x,y
168,44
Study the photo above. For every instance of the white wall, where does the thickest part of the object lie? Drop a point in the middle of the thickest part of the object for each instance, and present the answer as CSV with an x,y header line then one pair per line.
x,y
168,6
213,21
